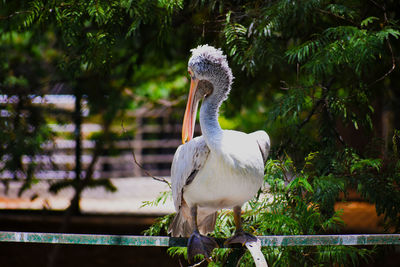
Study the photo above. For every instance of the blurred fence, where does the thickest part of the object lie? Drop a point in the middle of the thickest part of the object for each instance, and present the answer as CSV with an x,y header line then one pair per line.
x,y
154,141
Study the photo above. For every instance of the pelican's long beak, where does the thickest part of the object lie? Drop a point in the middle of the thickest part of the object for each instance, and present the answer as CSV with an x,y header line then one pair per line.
x,y
191,111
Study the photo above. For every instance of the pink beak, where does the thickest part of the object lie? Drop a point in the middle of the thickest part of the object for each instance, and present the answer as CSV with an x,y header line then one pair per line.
x,y
189,119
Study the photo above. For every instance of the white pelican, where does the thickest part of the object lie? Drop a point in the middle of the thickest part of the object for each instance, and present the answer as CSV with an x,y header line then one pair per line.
x,y
221,168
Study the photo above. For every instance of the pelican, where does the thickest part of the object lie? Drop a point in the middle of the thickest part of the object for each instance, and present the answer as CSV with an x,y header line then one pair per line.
x,y
221,168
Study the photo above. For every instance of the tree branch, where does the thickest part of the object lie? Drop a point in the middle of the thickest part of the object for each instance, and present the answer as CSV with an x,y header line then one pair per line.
x,y
304,122
336,16
337,134
160,179
14,14
393,64
376,4
386,21
313,110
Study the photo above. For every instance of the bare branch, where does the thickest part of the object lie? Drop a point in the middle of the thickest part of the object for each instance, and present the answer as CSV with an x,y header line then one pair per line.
x,y
336,16
304,122
14,14
198,264
313,110
376,4
337,134
386,21
393,64
160,179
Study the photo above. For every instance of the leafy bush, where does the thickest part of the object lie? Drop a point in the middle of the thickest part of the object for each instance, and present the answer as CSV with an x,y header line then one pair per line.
x,y
292,202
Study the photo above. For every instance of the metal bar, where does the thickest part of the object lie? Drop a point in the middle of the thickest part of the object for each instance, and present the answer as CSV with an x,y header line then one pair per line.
x,y
164,241
331,240
89,239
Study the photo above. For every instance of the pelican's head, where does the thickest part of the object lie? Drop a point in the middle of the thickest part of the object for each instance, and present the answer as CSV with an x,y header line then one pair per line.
x,y
210,77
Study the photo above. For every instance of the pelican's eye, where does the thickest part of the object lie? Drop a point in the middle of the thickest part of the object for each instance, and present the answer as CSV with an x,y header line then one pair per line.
x,y
191,74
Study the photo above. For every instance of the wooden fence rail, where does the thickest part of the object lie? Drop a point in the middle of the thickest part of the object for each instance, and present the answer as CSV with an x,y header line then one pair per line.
x,y
154,139
165,241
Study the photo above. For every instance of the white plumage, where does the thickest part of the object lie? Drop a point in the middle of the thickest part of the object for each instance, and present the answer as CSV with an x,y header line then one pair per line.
x,y
221,168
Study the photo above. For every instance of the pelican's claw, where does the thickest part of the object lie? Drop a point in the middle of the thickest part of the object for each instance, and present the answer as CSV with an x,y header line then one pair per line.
x,y
200,244
240,237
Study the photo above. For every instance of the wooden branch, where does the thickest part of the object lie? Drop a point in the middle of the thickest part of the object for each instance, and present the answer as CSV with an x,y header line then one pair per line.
x,y
393,64
160,179
386,21
337,134
336,16
304,122
14,14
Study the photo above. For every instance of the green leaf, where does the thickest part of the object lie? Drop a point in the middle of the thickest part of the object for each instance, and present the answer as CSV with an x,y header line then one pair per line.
x,y
367,21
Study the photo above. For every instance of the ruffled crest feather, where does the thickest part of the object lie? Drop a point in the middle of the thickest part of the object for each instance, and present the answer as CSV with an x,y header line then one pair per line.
x,y
204,56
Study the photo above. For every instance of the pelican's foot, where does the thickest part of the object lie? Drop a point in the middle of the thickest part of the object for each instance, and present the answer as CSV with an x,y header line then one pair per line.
x,y
200,244
240,237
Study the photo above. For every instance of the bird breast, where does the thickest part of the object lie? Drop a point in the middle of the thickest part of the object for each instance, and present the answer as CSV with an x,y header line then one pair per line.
x,y
231,175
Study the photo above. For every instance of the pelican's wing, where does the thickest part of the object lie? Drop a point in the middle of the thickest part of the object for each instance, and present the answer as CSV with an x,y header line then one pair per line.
x,y
189,158
264,143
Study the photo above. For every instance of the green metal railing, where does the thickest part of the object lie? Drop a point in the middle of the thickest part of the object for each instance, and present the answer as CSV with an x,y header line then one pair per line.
x,y
164,241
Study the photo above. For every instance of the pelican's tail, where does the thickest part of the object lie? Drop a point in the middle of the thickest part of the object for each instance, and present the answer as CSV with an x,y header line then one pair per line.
x,y
207,224
181,224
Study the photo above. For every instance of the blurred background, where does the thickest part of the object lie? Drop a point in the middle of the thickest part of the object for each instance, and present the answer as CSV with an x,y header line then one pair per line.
x,y
88,87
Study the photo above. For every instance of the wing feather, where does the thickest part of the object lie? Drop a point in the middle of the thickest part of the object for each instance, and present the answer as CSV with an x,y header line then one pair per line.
x,y
264,143
188,159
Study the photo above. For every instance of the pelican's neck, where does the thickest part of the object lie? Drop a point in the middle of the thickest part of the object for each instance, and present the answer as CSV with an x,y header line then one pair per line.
x,y
210,127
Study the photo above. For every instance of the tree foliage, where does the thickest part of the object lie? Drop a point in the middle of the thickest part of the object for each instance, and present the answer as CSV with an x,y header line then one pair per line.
x,y
322,75
331,85
92,49
319,76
